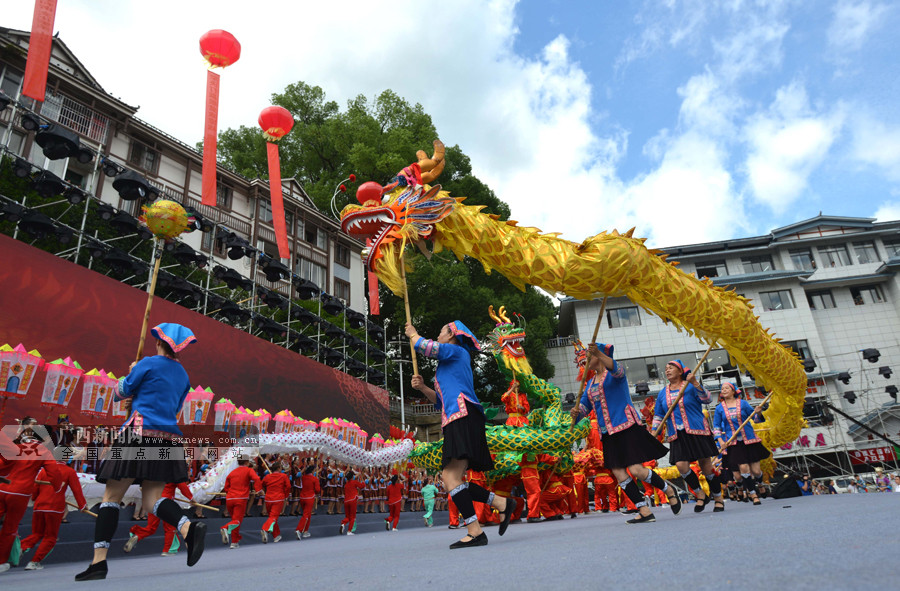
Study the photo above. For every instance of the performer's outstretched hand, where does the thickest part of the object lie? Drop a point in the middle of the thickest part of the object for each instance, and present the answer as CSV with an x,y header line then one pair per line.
x,y
411,331
418,382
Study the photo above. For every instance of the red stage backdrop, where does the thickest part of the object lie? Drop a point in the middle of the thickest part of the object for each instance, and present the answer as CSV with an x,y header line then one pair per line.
x,y
64,310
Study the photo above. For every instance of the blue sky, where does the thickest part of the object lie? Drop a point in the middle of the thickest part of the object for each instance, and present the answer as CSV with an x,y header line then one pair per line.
x,y
584,116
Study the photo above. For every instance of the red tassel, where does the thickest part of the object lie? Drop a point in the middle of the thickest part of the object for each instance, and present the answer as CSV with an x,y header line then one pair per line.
x,y
39,48
210,139
277,201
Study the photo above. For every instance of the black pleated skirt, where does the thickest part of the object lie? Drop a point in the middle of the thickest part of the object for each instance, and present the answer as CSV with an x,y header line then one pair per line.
x,y
742,453
154,459
465,439
634,445
690,448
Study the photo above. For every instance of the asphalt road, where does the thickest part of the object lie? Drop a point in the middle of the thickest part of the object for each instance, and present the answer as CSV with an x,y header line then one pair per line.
x,y
823,542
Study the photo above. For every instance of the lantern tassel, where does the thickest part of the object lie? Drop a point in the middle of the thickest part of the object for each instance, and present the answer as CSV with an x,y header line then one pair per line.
x,y
40,45
210,138
277,201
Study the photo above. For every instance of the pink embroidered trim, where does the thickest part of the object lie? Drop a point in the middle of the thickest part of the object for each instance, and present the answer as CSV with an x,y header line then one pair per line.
x,y
596,391
737,414
670,398
463,411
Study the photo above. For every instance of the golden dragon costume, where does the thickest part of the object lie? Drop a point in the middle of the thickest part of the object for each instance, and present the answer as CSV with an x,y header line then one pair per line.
x,y
607,264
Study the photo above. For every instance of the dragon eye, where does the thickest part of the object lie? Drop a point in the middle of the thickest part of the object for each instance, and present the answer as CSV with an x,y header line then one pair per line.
x,y
385,199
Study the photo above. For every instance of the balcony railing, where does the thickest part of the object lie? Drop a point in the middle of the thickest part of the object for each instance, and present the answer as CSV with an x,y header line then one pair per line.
x,y
414,409
75,115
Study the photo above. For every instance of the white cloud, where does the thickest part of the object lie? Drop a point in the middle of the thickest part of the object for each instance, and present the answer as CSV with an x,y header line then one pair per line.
x,y
786,144
888,211
753,48
853,23
876,144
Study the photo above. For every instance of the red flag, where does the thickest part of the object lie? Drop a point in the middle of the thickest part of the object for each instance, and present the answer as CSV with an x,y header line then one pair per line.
x,y
39,48
374,303
210,137
277,201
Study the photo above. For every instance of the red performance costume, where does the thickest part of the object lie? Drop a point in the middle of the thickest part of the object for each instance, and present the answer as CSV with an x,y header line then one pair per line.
x,y
309,488
170,541
351,499
49,506
237,491
531,482
517,406
14,496
394,496
278,486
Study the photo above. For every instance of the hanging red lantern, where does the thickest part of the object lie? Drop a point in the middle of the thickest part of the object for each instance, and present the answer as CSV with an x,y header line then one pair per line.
x,y
276,122
220,49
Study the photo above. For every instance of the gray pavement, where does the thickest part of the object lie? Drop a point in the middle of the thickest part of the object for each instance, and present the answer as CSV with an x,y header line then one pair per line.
x,y
832,542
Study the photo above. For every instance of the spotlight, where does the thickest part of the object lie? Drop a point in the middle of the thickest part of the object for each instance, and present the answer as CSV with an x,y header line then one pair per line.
x,y
570,398
36,224
105,211
233,280
355,319
5,100
871,355
119,261
58,142
184,289
376,355
234,312
303,315
274,270
124,224
376,332
84,155
110,168
237,247
885,371
30,121
12,212
199,222
892,391
219,272
164,279
306,290
96,249
184,254
850,396
844,376
132,186
74,195
376,377
332,305
48,185
21,168
305,343
63,234
269,326
272,299
809,365
331,357
641,388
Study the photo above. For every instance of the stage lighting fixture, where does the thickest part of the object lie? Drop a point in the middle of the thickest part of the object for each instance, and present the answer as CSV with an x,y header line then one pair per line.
x,y
184,288
274,270
376,377
233,280
21,168
12,212
237,247
871,355
132,186
119,261
110,168
892,391
200,222
641,388
850,396
74,195
36,224
30,121
96,249
124,223
84,155
164,279
332,305
844,376
306,289
303,315
376,355
5,100
105,211
57,142
269,326
884,371
305,343
355,319
271,299
376,332
219,272
48,185
63,234
184,254
234,312
331,357
809,365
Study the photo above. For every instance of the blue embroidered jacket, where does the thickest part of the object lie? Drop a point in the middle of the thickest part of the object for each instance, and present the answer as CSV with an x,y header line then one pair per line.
x,y
610,398
726,420
688,415
453,382
157,387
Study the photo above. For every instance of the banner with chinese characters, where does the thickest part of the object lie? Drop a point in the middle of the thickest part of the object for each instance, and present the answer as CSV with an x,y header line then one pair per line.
x,y
872,455
814,440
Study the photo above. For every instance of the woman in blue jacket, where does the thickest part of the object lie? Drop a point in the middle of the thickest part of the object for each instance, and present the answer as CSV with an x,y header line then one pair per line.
x,y
745,452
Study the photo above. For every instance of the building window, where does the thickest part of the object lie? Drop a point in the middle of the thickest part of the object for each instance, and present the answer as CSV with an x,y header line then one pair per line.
x,y
268,248
265,211
12,81
342,255
820,300
223,196
307,269
711,269
316,236
867,294
834,256
757,264
144,157
893,247
777,300
865,252
342,290
218,246
801,348
622,317
802,259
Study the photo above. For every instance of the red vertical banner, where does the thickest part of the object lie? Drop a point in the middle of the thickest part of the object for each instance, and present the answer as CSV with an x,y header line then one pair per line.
x,y
39,48
210,138
277,201
374,304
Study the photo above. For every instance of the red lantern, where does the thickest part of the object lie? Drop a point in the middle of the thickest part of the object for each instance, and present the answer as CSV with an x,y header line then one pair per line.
x,y
220,49
276,122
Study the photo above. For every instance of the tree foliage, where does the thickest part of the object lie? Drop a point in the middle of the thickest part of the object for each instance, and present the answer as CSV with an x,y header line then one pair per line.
x,y
374,139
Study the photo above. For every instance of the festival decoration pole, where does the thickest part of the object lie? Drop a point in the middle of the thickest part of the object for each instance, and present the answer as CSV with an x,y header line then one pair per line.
x,y
40,47
412,346
276,122
684,384
71,504
587,359
220,49
747,420
158,251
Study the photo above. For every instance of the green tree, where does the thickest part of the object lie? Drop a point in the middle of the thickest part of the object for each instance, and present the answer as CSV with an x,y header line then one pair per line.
x,y
374,139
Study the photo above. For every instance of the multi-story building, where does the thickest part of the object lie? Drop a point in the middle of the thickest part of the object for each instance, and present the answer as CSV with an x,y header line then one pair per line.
x,y
828,286
118,141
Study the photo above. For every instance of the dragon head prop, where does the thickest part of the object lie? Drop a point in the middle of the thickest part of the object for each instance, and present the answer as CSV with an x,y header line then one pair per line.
x,y
506,339
580,358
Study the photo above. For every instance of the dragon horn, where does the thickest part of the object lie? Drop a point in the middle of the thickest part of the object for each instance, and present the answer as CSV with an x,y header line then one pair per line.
x,y
494,316
503,315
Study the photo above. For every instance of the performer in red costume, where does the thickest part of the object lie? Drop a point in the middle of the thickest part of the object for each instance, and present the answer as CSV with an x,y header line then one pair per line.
x,y
581,490
21,474
49,506
568,479
170,542
394,497
503,488
554,499
237,492
606,491
483,511
277,486
517,406
310,487
531,482
351,498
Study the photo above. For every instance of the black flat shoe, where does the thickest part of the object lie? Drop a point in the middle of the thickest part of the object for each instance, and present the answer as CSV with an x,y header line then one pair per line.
x,y
698,508
642,519
195,540
507,514
757,502
479,540
94,572
676,508
718,506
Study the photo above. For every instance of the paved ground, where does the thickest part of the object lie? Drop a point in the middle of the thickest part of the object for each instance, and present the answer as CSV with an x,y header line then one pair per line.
x,y
825,542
